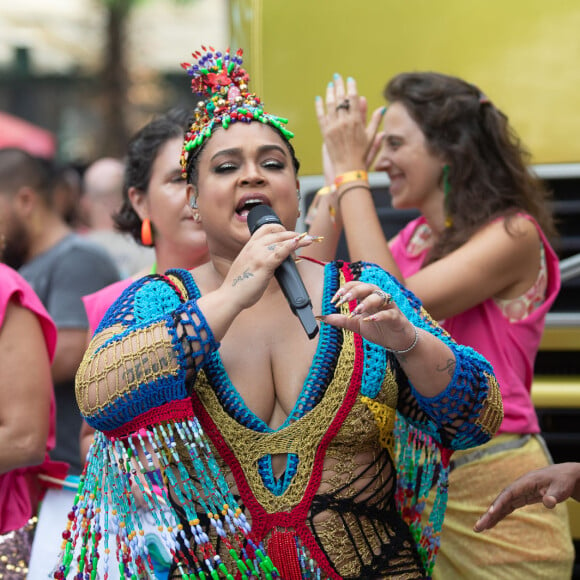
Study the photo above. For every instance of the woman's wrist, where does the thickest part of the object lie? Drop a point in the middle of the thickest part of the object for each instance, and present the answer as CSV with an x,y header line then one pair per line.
x,y
409,348
325,200
350,176
343,190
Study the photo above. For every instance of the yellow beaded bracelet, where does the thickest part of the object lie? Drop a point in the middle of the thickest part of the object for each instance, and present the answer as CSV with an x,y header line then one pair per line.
x,y
357,175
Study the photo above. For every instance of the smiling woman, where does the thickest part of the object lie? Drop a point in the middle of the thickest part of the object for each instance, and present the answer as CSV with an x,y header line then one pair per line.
x,y
480,260
259,452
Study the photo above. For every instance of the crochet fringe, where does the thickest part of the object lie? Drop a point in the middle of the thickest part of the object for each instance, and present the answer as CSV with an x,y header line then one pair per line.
x,y
421,470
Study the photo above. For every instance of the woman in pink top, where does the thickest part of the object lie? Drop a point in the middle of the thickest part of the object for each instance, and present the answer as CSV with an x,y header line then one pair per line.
x,y
479,259
27,412
154,210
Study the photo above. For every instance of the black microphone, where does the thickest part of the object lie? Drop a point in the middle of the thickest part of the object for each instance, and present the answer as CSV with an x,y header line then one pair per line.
x,y
286,273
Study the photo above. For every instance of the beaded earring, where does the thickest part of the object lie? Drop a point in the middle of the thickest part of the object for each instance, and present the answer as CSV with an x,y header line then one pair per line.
x,y
446,192
193,206
147,232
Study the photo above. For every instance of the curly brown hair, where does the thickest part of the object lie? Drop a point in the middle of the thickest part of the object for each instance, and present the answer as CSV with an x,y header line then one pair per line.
x,y
488,165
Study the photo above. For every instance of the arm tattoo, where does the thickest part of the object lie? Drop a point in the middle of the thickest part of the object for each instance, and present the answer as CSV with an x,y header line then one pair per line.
x,y
145,367
244,276
272,247
449,367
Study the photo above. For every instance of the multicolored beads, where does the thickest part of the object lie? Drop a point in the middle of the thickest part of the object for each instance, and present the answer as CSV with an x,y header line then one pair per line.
x,y
221,83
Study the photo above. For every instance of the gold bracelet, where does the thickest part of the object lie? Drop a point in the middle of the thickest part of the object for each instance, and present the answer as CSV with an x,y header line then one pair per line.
x,y
357,175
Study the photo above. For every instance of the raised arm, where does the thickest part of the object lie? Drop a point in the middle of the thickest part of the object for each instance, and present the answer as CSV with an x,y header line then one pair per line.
x,y
350,146
154,339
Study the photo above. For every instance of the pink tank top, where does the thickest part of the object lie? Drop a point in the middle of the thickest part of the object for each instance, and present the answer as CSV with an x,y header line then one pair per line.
x,y
97,303
16,503
499,330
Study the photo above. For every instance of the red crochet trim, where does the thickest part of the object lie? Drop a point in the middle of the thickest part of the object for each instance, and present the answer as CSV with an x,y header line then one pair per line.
x,y
173,411
262,522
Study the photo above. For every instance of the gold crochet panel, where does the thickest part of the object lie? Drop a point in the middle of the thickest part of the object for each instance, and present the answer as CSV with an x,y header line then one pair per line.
x,y
491,414
119,368
301,437
385,419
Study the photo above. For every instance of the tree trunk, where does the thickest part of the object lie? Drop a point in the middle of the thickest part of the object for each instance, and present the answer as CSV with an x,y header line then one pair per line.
x,y
115,79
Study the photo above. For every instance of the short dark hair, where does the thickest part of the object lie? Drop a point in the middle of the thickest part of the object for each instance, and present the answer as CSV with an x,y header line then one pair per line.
x,y
19,168
142,151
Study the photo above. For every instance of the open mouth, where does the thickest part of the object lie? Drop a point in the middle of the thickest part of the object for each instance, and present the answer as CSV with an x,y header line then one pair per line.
x,y
247,204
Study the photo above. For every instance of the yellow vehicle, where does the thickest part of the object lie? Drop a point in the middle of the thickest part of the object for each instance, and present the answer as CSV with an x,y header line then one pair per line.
x,y
523,53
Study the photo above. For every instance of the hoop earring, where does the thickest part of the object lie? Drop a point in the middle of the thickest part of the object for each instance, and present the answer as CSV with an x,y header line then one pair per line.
x,y
146,232
446,195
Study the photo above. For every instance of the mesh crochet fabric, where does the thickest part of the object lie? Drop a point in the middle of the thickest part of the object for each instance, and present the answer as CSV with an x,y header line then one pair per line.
x,y
362,451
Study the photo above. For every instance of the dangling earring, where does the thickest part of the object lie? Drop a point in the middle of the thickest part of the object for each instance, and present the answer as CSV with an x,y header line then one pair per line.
x,y
299,195
446,198
193,206
147,232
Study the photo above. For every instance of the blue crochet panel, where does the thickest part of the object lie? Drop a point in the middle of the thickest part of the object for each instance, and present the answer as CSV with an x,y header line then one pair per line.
x,y
470,375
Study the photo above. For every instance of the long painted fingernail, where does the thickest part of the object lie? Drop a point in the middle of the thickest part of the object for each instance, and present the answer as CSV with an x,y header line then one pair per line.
x,y
319,318
357,310
344,298
371,318
301,236
383,110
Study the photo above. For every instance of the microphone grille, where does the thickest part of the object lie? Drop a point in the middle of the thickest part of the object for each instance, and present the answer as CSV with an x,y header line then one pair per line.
x,y
260,215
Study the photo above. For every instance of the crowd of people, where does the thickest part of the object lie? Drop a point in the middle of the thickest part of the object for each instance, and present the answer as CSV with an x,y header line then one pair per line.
x,y
172,418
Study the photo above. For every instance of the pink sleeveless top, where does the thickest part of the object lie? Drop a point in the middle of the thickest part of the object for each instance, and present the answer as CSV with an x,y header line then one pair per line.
x,y
16,502
507,333
97,303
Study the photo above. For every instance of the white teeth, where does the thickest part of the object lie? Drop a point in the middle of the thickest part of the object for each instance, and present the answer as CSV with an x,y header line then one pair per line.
x,y
248,205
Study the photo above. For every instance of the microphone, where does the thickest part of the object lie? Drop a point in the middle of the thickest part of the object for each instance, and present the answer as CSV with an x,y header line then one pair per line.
x,y
287,273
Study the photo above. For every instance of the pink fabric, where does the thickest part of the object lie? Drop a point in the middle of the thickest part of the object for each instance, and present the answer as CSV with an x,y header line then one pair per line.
x,y
16,504
511,347
97,303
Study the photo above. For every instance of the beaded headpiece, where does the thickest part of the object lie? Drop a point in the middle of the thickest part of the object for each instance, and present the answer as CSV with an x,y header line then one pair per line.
x,y
221,84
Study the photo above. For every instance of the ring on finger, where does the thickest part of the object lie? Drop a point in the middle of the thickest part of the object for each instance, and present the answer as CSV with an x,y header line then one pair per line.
x,y
386,298
343,105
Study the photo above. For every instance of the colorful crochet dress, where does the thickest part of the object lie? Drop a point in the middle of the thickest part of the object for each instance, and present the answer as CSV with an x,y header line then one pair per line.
x,y
363,449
